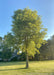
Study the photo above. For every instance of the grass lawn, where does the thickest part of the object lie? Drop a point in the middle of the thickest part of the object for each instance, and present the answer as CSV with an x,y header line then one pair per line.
x,y
36,68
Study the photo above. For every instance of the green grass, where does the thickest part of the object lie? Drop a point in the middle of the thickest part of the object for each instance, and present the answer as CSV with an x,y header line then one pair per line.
x,y
18,68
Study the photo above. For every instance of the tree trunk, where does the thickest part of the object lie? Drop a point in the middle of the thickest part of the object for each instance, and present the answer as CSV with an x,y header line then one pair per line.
x,y
27,65
26,40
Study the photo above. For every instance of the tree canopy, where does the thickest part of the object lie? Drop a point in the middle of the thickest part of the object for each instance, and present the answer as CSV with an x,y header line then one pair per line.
x,y
28,29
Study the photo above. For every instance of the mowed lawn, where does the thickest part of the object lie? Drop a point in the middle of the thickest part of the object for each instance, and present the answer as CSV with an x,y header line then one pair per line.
x,y
18,68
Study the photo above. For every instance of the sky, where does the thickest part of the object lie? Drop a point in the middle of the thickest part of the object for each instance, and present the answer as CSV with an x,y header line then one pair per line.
x,y
45,8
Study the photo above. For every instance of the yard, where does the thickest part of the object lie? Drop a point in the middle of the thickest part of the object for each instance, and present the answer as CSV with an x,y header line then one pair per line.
x,y
18,68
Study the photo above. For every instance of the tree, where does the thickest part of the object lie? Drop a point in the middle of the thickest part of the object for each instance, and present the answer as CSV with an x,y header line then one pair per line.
x,y
0,39
47,50
44,52
28,30
5,49
51,47
6,52
9,40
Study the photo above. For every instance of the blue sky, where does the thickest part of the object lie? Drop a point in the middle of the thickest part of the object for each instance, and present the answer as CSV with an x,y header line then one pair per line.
x,y
45,8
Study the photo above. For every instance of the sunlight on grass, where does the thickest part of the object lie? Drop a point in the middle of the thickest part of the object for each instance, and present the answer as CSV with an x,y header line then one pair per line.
x,y
18,68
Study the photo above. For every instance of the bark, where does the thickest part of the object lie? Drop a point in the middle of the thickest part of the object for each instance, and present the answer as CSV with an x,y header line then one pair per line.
x,y
27,60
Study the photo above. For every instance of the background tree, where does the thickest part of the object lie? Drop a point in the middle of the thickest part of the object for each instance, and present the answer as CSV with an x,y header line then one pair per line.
x,y
9,40
0,38
6,52
0,41
5,49
44,52
28,30
51,47
47,50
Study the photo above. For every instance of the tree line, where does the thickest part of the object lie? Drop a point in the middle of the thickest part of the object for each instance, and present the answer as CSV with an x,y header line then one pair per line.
x,y
46,51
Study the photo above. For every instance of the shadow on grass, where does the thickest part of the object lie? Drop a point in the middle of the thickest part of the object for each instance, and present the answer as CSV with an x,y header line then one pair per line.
x,y
12,69
11,63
